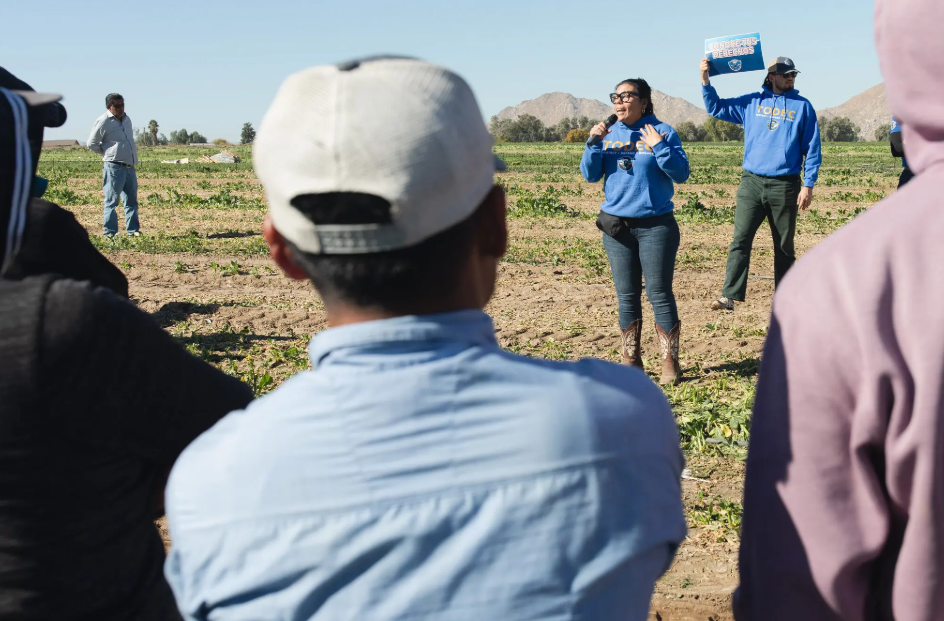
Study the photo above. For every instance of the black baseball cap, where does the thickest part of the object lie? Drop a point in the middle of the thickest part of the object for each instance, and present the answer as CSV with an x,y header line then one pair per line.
x,y
44,107
781,65
23,115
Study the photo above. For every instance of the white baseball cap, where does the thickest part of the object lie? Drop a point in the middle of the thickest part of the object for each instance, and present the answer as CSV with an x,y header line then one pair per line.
x,y
402,129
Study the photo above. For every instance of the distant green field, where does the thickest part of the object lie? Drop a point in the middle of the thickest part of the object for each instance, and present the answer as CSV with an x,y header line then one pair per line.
x,y
839,158
542,181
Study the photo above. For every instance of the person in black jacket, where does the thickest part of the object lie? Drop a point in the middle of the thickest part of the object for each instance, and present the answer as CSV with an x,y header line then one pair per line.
x,y
53,240
82,456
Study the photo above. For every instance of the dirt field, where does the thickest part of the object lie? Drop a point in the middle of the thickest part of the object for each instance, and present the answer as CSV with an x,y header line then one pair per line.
x,y
202,271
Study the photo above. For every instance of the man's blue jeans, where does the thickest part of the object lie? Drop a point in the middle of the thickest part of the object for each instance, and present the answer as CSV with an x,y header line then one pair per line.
x,y
120,181
645,247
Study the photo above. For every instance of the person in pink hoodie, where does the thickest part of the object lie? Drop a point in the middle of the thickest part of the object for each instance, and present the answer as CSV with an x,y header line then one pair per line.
x,y
844,496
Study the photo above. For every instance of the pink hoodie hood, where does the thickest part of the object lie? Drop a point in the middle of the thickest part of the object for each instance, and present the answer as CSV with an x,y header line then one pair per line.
x,y
911,54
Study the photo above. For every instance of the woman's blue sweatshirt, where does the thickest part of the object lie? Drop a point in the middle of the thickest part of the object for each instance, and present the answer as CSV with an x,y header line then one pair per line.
x,y
779,131
642,186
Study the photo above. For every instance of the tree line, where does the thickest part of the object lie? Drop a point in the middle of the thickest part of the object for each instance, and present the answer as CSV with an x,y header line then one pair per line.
x,y
149,136
529,128
842,129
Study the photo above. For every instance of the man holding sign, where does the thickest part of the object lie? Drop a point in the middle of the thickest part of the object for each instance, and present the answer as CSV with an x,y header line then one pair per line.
x,y
780,129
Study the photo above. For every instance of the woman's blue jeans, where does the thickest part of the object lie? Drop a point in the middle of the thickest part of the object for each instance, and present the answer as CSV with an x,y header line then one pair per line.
x,y
645,248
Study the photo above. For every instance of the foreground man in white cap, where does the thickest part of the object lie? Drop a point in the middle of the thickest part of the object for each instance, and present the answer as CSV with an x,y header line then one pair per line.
x,y
418,470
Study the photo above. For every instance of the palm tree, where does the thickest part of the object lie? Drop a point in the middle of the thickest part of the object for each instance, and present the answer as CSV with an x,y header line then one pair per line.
x,y
152,127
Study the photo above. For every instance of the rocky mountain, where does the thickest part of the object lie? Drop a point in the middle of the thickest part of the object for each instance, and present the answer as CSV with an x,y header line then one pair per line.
x,y
868,110
552,107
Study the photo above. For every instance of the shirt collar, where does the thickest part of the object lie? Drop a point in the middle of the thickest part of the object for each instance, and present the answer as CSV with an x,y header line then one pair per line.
x,y
470,326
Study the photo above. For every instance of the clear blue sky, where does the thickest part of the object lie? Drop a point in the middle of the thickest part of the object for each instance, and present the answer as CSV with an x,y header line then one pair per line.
x,y
210,65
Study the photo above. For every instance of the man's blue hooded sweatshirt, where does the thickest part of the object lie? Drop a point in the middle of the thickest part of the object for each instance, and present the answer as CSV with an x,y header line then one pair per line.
x,y
896,129
779,130
641,186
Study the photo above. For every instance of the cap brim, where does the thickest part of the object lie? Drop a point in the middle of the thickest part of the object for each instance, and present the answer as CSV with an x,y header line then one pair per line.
x,y
781,69
34,99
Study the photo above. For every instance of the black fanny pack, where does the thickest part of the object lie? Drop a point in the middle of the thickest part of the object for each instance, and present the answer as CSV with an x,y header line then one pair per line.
x,y
609,224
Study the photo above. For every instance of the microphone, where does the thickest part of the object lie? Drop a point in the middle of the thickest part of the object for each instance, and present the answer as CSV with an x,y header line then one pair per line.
x,y
610,120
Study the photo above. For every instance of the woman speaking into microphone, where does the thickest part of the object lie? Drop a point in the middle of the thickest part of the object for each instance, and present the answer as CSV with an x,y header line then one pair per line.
x,y
639,159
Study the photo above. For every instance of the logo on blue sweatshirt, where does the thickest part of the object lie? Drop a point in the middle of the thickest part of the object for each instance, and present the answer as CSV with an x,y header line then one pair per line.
x,y
768,111
772,125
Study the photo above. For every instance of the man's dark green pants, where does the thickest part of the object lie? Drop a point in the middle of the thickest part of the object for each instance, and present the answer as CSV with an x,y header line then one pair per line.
x,y
773,198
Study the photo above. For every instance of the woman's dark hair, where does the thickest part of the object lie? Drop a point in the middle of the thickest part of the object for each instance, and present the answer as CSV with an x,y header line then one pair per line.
x,y
395,280
644,90
111,98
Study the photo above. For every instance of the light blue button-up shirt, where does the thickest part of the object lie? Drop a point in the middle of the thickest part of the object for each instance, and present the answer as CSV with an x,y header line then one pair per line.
x,y
113,139
421,472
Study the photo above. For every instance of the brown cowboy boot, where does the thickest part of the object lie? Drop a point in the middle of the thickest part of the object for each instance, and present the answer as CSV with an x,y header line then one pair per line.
x,y
671,370
631,354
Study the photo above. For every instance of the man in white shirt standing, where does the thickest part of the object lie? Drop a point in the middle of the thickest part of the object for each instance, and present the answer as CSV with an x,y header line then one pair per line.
x,y
112,137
